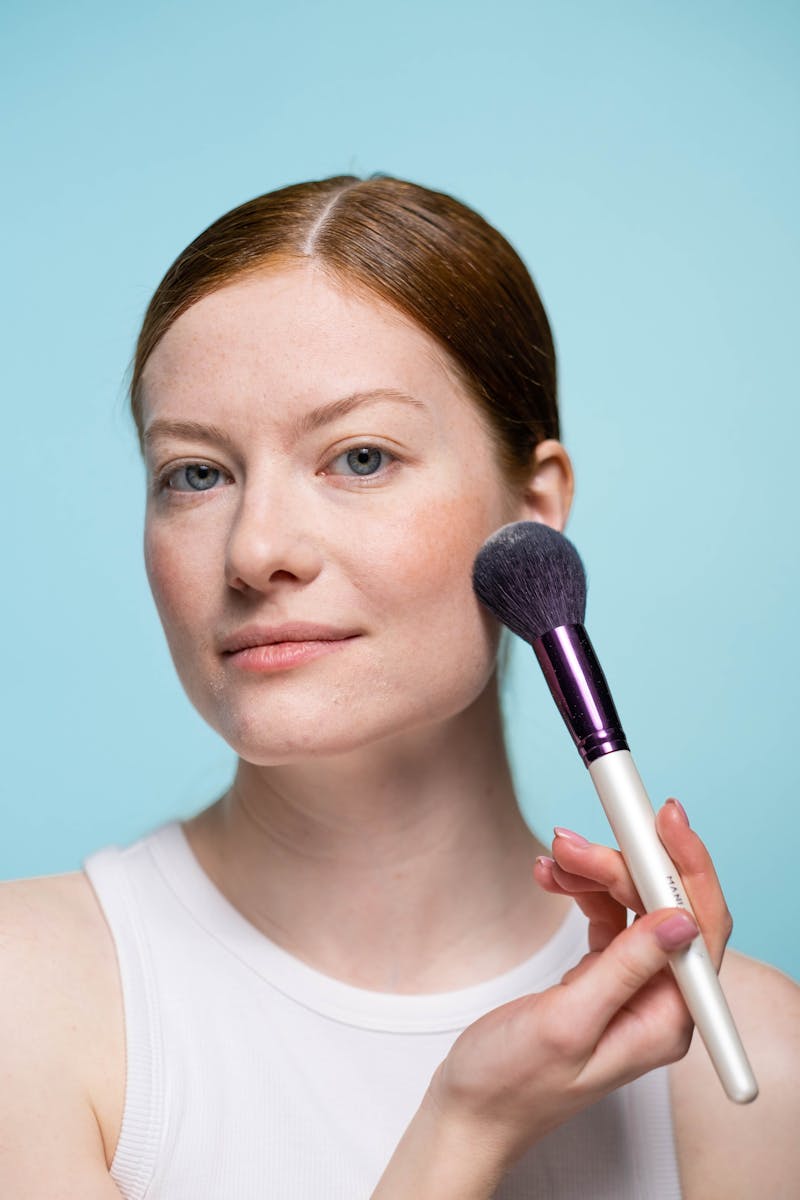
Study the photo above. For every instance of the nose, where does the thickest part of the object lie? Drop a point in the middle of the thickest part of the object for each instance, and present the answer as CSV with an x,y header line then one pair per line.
x,y
272,538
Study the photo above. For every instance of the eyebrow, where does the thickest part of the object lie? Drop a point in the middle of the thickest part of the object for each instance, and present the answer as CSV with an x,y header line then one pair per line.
x,y
323,414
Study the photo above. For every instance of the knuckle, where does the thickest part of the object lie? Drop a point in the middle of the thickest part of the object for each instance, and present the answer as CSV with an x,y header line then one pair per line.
x,y
630,972
676,1029
613,875
684,1042
581,967
558,1038
677,1045
620,876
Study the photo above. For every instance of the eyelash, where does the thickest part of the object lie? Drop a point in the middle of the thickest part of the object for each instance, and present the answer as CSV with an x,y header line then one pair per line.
x,y
161,481
379,474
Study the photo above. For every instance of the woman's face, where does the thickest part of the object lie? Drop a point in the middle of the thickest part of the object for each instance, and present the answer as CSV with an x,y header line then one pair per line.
x,y
366,519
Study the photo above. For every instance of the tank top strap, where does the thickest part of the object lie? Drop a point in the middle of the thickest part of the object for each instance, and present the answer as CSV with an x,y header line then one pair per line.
x,y
143,1118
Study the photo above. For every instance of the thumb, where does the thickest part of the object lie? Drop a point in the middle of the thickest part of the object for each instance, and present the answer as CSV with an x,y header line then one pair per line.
x,y
625,966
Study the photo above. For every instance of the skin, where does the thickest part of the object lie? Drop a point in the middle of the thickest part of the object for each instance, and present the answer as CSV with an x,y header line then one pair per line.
x,y
372,782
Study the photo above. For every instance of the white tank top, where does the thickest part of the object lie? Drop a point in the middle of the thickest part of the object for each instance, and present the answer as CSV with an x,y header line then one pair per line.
x,y
250,1075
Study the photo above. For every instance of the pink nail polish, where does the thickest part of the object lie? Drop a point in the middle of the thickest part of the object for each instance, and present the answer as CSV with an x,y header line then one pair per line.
x,y
679,807
676,931
544,861
570,835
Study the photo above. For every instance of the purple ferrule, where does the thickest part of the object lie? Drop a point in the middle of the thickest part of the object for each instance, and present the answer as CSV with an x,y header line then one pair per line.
x,y
580,690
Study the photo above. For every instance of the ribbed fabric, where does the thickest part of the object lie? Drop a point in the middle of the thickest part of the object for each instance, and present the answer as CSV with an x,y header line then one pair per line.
x,y
250,1075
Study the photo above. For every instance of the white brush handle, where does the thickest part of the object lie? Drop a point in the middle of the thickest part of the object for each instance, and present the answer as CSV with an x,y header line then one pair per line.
x,y
632,819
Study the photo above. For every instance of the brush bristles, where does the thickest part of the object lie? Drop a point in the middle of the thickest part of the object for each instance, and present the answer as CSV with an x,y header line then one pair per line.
x,y
531,577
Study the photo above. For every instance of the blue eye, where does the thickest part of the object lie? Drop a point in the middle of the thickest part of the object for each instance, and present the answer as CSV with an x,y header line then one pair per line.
x,y
364,460
203,473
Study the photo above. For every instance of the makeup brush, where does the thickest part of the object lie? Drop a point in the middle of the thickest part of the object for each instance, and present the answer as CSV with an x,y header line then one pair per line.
x,y
531,578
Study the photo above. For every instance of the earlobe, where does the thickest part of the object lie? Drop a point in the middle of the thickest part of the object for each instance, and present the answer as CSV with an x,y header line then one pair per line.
x,y
548,494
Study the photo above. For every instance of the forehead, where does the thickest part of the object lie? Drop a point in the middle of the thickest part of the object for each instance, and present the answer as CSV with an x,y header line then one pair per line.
x,y
292,337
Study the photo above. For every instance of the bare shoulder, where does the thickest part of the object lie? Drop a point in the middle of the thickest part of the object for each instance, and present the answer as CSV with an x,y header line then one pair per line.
x,y
728,1151
61,1022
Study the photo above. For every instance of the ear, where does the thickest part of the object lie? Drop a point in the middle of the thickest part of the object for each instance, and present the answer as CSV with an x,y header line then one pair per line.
x,y
547,496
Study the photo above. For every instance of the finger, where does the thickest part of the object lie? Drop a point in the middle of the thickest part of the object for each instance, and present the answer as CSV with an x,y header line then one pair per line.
x,y
607,918
653,1029
698,876
550,876
686,850
580,968
626,966
600,865
573,881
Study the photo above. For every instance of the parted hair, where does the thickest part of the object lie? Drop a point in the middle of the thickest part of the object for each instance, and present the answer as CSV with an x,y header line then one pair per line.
x,y
431,256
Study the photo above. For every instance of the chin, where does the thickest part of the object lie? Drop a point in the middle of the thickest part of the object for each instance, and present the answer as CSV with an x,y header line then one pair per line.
x,y
278,733
269,739
276,751
276,726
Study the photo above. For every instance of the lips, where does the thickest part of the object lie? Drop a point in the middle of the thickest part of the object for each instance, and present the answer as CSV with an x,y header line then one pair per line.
x,y
294,631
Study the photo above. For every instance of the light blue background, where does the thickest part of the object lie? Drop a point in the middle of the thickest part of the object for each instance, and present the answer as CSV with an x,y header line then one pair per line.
x,y
642,158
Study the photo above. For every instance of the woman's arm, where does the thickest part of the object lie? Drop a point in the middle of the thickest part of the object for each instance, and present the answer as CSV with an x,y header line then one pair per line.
x,y
50,1142
527,1067
437,1159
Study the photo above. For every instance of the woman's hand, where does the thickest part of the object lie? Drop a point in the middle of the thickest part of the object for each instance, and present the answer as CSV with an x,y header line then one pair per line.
x,y
528,1066
598,880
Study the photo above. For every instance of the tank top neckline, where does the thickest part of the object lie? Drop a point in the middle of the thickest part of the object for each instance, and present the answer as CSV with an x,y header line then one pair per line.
x,y
343,1002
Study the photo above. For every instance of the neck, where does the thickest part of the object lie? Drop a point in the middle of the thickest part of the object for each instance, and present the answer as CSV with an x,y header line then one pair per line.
x,y
404,866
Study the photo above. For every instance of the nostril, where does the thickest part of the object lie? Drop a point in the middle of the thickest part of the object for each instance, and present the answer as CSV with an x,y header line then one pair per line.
x,y
258,556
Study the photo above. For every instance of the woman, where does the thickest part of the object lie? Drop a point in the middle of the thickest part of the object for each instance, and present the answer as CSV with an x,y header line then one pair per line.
x,y
340,979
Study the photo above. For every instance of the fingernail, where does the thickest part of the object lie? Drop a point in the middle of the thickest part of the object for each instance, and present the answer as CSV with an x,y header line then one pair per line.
x,y
676,931
570,835
544,861
679,807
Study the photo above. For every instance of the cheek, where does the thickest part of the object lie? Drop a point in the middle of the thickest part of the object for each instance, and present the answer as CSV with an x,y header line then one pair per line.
x,y
175,579
159,567
419,572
